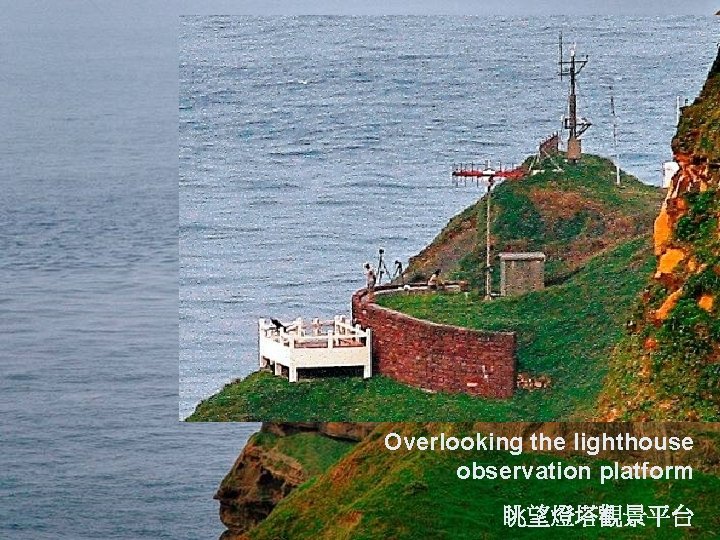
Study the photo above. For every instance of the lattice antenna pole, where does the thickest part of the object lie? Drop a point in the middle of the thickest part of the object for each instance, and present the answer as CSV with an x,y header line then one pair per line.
x,y
572,68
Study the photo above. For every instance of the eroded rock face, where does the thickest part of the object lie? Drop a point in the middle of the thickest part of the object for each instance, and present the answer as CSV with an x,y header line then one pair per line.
x,y
687,243
675,350
261,477
686,231
676,252
258,480
350,431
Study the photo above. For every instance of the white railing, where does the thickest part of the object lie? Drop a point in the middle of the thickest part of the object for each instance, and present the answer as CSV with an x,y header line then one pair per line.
x,y
318,344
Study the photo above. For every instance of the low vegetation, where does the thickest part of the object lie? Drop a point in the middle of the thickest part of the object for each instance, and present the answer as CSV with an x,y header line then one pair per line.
x,y
596,237
569,212
669,369
313,451
372,494
566,331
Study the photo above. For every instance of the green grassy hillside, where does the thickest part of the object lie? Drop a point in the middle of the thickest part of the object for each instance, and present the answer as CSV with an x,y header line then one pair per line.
x,y
566,331
372,493
597,265
570,214
314,452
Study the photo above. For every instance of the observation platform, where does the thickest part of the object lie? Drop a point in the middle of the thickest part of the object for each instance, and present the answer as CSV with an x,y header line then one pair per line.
x,y
320,344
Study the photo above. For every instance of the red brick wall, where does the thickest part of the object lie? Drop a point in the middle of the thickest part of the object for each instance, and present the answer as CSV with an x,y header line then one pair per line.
x,y
438,357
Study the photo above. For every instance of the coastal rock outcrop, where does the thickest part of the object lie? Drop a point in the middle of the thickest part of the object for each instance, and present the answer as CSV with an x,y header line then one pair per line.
x,y
263,474
258,480
674,349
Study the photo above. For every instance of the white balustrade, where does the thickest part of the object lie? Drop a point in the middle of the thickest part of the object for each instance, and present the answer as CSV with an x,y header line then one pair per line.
x,y
297,346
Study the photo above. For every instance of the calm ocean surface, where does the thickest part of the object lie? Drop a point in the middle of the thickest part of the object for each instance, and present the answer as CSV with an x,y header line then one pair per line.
x,y
90,443
308,143
305,144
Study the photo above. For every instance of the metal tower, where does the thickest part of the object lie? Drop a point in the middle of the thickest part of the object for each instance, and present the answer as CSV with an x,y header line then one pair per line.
x,y
575,125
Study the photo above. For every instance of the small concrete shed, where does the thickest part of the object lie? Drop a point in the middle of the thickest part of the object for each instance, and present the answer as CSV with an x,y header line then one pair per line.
x,y
521,272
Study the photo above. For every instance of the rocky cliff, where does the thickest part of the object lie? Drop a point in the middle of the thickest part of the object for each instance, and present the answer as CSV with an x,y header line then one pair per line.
x,y
669,368
276,461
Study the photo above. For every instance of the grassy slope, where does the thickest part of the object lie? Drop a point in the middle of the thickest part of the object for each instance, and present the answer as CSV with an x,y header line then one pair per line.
x,y
566,331
375,494
315,452
570,215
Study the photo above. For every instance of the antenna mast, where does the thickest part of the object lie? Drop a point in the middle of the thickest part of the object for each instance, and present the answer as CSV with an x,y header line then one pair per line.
x,y
576,127
615,145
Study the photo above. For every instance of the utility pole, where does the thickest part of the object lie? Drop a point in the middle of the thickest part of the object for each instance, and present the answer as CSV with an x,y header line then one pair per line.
x,y
615,145
576,127
488,267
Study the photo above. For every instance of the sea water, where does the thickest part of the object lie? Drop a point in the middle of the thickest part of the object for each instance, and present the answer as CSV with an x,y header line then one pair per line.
x,y
305,144
308,143
90,443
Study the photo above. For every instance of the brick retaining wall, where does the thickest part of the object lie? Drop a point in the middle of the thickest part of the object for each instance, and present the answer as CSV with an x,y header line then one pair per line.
x,y
438,357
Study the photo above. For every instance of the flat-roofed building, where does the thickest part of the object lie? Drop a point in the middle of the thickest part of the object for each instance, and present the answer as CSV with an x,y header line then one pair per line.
x,y
521,272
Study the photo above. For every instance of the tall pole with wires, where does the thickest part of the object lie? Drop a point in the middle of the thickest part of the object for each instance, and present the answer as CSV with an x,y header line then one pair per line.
x,y
488,266
574,125
614,130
